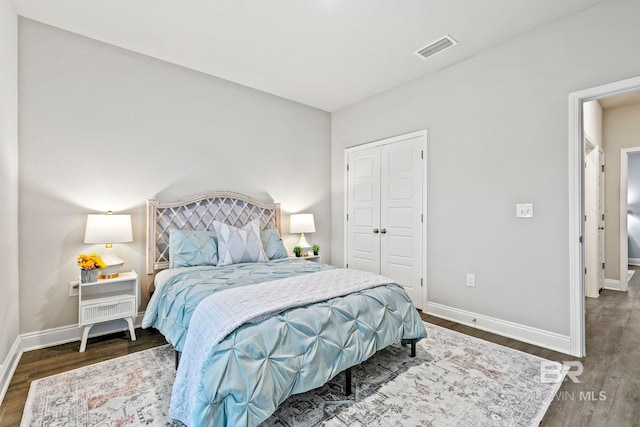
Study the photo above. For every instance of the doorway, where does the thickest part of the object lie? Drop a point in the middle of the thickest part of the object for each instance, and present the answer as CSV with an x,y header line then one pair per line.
x,y
577,207
629,211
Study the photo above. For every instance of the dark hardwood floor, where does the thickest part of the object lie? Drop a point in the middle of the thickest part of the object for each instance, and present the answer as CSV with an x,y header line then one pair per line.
x,y
609,390
608,393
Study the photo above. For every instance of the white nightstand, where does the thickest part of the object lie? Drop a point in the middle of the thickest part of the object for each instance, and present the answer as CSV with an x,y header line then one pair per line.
x,y
105,300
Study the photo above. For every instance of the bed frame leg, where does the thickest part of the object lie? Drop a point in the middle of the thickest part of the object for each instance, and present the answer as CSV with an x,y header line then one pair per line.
x,y
347,391
178,354
413,342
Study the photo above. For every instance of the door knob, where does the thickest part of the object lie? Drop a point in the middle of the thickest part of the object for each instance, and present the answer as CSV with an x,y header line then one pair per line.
x,y
376,231
383,231
601,227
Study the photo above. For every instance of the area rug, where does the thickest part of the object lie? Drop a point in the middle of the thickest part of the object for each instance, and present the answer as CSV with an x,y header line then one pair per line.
x,y
455,380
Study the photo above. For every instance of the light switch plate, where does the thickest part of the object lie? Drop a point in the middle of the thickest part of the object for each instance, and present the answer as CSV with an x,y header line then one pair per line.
x,y
524,210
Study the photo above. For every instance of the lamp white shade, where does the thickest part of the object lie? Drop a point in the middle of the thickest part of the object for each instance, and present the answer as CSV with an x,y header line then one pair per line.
x,y
302,223
103,228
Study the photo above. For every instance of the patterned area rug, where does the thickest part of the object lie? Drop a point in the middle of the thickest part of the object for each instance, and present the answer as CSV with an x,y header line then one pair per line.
x,y
455,380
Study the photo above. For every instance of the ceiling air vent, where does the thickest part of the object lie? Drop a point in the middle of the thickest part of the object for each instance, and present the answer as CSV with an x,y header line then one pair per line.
x,y
435,47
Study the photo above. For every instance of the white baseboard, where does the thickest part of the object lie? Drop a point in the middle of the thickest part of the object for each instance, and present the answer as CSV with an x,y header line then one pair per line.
x,y
51,337
613,285
634,261
70,333
528,334
8,367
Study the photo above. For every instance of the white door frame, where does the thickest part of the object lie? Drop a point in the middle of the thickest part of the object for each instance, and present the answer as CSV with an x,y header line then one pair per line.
x,y
624,189
424,134
576,207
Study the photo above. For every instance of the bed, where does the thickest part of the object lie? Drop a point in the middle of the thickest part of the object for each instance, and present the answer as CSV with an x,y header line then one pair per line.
x,y
256,326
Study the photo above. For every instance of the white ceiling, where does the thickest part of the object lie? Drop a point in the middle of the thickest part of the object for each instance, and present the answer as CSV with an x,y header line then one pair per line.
x,y
622,100
324,53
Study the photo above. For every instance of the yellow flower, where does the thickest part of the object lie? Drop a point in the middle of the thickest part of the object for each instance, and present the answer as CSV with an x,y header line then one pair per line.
x,y
89,262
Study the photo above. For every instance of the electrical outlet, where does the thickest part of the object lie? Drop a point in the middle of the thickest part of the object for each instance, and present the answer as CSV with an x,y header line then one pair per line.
x,y
471,280
73,288
524,210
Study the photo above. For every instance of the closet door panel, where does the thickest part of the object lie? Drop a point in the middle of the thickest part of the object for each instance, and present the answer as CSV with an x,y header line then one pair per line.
x,y
401,215
363,203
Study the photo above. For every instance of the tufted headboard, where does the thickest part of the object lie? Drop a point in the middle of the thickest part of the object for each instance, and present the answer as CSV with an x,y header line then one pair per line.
x,y
198,213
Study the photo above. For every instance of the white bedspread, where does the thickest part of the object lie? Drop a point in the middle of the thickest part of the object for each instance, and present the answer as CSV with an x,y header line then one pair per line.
x,y
221,313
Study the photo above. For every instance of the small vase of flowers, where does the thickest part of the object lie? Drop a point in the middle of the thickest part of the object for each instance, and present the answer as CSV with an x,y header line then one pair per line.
x,y
297,250
315,249
89,265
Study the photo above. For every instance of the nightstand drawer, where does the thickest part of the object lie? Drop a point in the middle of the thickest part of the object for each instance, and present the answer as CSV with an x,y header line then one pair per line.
x,y
108,310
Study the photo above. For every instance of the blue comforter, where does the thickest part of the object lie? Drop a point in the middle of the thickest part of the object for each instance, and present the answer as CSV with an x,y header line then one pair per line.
x,y
260,364
179,290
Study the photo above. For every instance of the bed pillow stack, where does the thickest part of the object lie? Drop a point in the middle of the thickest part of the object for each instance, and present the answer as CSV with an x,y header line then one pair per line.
x,y
225,245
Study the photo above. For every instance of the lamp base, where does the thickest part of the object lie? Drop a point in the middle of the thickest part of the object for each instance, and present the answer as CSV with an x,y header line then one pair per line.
x,y
304,245
113,264
110,271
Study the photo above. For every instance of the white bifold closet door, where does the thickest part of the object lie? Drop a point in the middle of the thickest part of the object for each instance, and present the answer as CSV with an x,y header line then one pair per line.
x,y
385,218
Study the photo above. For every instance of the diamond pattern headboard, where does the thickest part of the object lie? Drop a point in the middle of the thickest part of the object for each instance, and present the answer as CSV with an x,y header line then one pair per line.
x,y
197,213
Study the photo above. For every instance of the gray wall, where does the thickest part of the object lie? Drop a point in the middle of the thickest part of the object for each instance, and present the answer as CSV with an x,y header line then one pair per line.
x,y
105,128
8,178
633,200
620,129
498,125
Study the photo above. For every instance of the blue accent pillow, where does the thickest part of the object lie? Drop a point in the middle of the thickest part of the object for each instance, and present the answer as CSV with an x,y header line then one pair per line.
x,y
189,248
272,244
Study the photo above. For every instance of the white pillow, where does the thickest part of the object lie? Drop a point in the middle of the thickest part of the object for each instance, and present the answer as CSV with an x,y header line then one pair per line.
x,y
236,245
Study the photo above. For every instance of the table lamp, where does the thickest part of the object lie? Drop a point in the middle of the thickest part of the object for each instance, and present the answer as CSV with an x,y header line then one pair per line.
x,y
302,223
108,229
